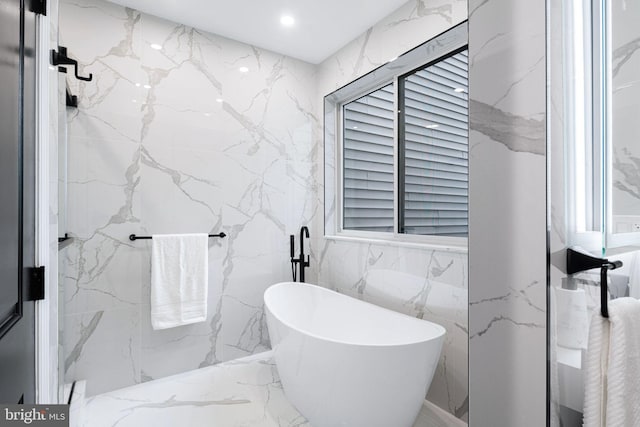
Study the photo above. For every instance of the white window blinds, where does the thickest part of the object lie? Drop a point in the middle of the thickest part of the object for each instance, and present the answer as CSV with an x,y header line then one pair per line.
x,y
434,127
368,136
432,154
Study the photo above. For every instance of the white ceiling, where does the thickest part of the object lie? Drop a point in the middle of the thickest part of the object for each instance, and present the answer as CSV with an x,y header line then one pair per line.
x,y
321,27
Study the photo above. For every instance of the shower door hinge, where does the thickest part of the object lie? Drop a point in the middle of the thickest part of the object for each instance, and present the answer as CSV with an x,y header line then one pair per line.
x,y
35,284
39,7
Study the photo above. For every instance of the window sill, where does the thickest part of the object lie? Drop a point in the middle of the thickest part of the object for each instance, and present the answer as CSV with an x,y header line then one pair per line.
x,y
400,243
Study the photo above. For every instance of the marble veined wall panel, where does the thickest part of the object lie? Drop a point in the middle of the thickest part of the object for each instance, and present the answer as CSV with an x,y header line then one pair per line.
x,y
508,228
177,140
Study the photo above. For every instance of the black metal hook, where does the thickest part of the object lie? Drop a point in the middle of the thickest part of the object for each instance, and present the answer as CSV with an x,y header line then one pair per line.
x,y
61,58
71,99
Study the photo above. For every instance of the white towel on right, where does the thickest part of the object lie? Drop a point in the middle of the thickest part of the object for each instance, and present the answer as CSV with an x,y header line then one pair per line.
x,y
612,373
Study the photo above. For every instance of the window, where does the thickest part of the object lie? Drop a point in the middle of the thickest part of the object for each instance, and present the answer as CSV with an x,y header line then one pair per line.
x,y
368,158
433,149
405,153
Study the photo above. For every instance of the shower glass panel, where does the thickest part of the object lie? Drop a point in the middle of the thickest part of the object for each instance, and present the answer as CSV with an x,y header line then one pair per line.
x,y
594,177
62,220
581,132
575,213
622,144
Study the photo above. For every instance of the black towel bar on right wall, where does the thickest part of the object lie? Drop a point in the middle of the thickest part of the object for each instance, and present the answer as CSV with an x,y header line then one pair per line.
x,y
578,261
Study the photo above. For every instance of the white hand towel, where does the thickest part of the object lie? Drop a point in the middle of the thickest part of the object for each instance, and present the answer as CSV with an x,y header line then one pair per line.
x,y
612,377
179,278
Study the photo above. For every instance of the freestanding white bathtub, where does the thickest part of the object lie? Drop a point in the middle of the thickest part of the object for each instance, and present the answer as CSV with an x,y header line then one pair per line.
x,y
347,363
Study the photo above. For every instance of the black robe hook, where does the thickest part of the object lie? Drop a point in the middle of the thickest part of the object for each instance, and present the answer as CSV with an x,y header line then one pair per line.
x,y
61,58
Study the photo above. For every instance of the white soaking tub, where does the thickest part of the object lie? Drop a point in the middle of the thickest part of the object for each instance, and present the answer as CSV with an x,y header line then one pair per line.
x,y
347,363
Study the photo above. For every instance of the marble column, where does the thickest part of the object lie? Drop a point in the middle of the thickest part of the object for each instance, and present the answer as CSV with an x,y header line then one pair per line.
x,y
507,237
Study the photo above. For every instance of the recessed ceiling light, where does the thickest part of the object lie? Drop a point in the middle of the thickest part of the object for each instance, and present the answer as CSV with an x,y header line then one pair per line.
x,y
156,46
243,69
207,114
287,20
134,101
137,84
458,89
147,86
431,126
219,100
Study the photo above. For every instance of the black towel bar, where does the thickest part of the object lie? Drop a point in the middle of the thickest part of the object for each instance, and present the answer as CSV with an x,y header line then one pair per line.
x,y
133,237
578,261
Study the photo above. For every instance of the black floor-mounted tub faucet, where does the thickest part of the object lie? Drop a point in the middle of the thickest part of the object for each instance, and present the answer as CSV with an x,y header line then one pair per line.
x,y
304,232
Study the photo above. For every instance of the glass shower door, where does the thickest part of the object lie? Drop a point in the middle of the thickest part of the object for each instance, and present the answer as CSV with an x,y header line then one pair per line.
x,y
62,223
594,178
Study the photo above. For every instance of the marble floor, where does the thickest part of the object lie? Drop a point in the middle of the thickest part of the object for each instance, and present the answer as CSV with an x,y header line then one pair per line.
x,y
241,393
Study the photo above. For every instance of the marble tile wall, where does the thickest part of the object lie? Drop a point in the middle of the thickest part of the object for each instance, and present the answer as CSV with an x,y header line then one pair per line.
x,y
419,281
153,151
507,255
